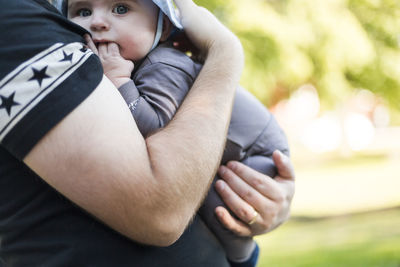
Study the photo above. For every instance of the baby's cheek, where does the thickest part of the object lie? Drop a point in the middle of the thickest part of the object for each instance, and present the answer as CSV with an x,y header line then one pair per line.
x,y
134,55
126,53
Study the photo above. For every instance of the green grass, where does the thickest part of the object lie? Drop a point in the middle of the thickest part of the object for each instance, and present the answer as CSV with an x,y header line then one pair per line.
x,y
363,239
360,186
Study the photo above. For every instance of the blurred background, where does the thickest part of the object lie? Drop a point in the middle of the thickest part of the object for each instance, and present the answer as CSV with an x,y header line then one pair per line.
x,y
329,70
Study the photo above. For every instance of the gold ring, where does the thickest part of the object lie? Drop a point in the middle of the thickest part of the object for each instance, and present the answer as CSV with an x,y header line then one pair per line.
x,y
254,219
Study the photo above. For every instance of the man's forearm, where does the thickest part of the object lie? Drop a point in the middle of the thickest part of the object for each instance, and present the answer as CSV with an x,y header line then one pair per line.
x,y
148,190
196,135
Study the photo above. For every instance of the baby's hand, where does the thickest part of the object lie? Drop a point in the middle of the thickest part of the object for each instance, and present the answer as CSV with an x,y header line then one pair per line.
x,y
115,67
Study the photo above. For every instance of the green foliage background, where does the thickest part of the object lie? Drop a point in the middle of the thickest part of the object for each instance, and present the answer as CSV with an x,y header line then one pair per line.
x,y
339,46
336,45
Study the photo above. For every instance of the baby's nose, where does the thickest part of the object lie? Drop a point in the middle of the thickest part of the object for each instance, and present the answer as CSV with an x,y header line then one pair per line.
x,y
99,22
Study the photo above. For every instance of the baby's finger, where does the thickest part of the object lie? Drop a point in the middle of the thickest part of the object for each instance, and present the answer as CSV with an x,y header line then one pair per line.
x,y
103,50
90,44
113,49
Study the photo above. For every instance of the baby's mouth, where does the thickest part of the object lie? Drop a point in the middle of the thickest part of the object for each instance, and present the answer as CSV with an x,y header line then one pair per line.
x,y
97,43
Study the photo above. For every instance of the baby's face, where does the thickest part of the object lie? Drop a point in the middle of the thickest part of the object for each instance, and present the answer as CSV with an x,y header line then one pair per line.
x,y
129,23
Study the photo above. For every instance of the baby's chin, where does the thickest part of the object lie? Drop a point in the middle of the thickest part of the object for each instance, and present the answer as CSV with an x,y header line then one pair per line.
x,y
129,56
135,52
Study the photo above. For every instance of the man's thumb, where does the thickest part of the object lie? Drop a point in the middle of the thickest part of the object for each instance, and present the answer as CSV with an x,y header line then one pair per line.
x,y
284,165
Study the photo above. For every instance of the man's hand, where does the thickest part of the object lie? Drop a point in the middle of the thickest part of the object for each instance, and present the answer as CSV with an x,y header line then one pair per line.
x,y
205,32
245,191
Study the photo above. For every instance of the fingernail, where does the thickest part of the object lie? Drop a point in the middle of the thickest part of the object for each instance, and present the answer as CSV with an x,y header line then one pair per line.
x,y
279,153
232,165
222,170
220,185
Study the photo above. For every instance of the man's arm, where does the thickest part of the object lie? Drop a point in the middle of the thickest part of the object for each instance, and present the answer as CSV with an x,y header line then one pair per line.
x,y
147,189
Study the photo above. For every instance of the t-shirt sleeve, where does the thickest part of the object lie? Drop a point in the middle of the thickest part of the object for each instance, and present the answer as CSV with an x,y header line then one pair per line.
x,y
45,72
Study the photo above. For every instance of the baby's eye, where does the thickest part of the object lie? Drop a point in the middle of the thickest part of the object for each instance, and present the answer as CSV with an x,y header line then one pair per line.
x,y
84,12
120,9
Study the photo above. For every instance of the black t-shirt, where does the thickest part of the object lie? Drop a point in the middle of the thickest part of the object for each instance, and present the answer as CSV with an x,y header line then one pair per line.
x,y
45,72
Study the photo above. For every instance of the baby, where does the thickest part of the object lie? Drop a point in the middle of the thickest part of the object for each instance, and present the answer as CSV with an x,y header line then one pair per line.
x,y
128,33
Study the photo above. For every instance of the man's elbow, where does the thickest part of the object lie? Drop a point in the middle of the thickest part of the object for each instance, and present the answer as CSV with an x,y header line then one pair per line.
x,y
163,230
168,236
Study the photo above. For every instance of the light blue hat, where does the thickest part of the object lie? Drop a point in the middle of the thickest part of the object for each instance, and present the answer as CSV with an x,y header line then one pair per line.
x,y
167,8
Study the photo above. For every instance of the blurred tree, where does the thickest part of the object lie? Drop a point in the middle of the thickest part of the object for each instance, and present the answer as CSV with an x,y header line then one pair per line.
x,y
381,22
337,45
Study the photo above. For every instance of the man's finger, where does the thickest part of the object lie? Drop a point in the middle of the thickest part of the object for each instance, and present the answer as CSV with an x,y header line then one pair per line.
x,y
284,165
244,180
182,5
239,206
234,225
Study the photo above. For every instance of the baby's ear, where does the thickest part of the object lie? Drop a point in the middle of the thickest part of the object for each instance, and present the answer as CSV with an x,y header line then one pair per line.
x,y
167,28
